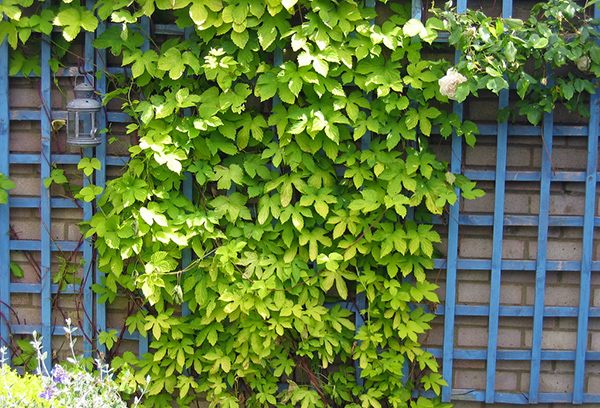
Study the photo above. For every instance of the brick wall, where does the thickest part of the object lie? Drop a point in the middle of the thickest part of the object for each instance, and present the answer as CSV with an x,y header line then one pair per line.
x,y
473,286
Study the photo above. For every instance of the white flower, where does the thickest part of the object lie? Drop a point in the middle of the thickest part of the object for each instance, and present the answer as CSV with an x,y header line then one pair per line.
x,y
583,63
449,82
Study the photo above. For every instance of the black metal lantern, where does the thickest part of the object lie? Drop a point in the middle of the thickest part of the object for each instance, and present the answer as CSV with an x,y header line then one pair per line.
x,y
83,117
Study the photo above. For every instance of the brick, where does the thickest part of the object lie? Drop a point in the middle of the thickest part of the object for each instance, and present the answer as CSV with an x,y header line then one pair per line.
x,y
563,204
569,277
574,188
475,248
562,296
481,155
513,249
595,341
483,204
472,336
592,384
563,367
569,159
572,233
478,293
24,141
559,340
25,186
470,364
567,323
595,300
520,232
482,110
29,230
507,381
469,379
560,383
536,164
23,97
511,295
567,205
524,277
73,232
516,322
518,156
516,204
467,275
559,250
435,336
509,338
20,299
441,291
467,404
26,315
59,231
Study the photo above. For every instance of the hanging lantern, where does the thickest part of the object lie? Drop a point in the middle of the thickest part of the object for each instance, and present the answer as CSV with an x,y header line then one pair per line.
x,y
83,117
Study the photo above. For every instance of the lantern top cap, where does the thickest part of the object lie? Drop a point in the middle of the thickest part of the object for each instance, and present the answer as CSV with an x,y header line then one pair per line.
x,y
84,90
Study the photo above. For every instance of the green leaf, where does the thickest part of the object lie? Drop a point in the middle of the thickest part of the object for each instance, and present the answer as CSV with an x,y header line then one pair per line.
x,y
73,19
225,176
371,200
108,338
172,62
16,270
88,165
267,33
89,193
414,28
240,39
289,4
313,238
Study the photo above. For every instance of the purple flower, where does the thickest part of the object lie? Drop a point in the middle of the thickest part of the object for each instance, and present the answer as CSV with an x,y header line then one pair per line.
x,y
48,391
60,375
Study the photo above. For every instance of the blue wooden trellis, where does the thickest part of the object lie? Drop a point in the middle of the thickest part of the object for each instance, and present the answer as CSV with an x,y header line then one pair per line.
x,y
493,311
95,317
93,314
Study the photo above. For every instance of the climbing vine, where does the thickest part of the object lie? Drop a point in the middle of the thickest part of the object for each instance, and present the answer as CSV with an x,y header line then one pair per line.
x,y
293,273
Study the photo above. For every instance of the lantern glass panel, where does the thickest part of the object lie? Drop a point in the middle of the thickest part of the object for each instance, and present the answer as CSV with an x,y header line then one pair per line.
x,y
82,128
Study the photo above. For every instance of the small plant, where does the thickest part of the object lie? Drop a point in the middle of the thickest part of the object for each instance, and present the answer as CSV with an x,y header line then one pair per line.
x,y
65,386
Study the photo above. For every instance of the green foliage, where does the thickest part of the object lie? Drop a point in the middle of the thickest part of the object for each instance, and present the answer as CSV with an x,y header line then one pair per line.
x,y
531,54
5,185
22,391
305,172
287,214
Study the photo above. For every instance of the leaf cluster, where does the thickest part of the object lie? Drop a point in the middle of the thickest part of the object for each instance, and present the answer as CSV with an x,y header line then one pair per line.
x,y
552,57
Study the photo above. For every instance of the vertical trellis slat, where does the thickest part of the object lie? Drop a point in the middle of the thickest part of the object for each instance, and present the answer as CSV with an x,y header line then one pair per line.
x,y
88,211
4,208
496,271
541,259
45,205
144,341
99,315
587,250
452,255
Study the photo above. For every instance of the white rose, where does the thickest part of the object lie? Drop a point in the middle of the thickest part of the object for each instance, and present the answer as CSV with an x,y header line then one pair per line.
x,y
449,82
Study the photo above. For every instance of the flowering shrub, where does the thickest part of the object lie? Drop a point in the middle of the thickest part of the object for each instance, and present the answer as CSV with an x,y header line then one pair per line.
x,y
20,390
69,385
